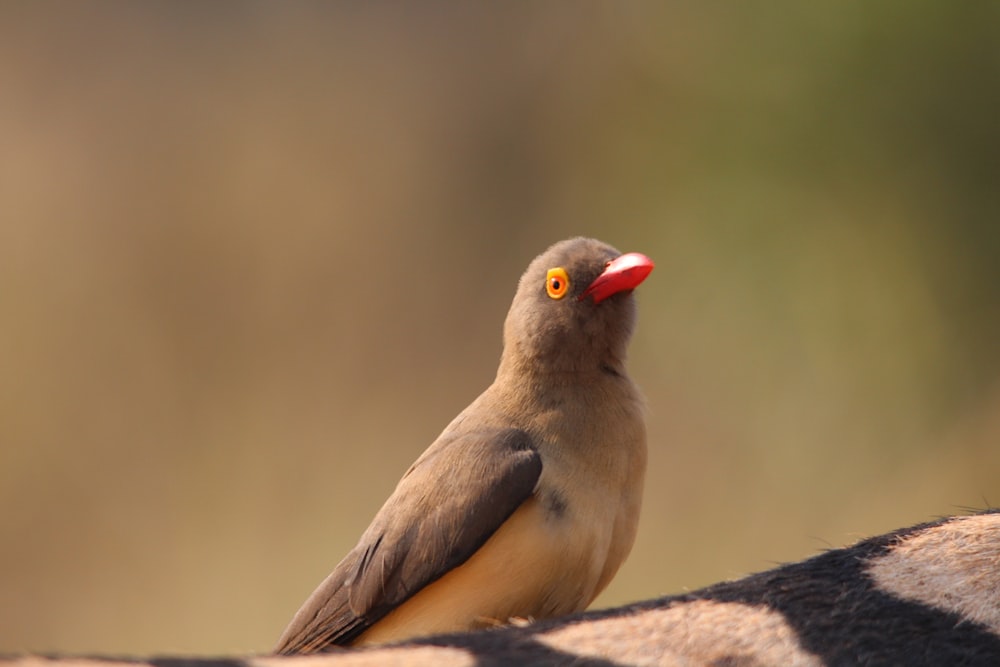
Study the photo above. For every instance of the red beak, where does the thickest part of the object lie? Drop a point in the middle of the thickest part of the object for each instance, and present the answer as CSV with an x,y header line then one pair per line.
x,y
620,274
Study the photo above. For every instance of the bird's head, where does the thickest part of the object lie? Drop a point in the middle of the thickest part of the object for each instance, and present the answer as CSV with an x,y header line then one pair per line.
x,y
574,309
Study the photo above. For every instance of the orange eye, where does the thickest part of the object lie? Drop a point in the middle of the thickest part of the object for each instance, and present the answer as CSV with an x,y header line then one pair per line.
x,y
557,283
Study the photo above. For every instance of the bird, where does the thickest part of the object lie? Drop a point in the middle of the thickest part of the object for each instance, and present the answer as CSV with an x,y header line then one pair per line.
x,y
528,502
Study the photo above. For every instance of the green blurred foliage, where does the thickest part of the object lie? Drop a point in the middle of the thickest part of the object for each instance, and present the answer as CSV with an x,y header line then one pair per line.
x,y
254,256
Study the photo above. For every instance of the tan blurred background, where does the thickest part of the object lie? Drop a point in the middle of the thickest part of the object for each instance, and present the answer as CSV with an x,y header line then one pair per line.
x,y
254,256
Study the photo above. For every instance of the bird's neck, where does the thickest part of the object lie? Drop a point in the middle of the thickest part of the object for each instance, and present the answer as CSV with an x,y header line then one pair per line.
x,y
527,372
528,361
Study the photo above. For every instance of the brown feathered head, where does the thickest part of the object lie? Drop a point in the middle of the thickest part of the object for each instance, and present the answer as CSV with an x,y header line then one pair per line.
x,y
574,309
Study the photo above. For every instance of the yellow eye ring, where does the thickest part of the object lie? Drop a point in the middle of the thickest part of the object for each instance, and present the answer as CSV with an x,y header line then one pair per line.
x,y
557,283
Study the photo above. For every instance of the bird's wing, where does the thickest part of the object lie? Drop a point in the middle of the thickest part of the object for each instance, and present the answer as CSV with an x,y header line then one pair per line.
x,y
445,507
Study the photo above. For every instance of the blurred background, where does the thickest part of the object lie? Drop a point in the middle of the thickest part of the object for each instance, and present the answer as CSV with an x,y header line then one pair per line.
x,y
254,256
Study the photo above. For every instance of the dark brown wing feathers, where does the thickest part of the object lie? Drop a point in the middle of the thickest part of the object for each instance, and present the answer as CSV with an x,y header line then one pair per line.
x,y
446,506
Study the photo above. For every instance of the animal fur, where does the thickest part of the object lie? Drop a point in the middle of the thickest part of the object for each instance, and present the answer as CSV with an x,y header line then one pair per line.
x,y
924,595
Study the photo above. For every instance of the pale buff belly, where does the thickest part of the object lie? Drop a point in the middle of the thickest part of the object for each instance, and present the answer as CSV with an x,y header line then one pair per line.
x,y
535,565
